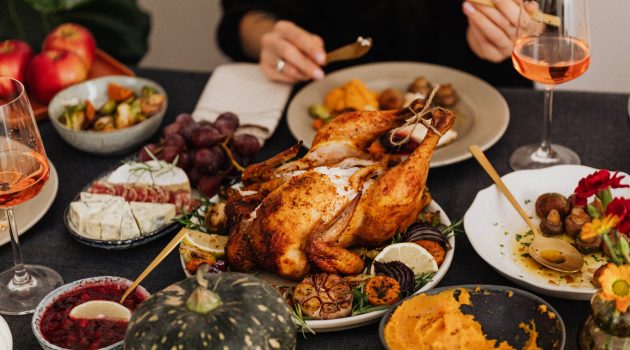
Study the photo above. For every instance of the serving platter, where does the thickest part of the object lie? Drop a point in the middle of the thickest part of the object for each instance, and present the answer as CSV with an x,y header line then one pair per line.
x,y
493,227
339,324
491,306
29,213
165,230
482,112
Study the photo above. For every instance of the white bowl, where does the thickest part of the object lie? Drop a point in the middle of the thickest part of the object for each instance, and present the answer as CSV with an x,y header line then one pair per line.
x,y
61,291
491,223
105,142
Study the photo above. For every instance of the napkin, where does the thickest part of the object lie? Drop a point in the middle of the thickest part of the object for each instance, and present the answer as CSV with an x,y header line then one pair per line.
x,y
243,89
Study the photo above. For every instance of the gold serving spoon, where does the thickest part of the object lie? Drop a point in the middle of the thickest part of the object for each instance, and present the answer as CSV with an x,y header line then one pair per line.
x,y
552,253
109,310
350,51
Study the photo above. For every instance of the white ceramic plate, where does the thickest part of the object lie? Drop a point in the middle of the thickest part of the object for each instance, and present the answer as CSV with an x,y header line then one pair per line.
x,y
491,223
339,324
482,113
29,213
6,340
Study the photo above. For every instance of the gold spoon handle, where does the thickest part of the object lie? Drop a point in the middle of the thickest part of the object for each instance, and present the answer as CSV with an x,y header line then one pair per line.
x,y
158,259
485,164
350,51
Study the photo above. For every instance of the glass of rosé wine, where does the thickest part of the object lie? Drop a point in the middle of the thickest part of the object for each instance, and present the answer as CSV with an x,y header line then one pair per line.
x,y
551,47
23,172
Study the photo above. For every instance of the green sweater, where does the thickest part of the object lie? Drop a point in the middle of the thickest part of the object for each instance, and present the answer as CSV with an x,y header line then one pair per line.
x,y
119,26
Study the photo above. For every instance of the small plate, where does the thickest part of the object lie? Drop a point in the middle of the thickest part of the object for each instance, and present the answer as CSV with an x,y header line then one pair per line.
x,y
168,229
6,340
29,213
492,225
482,115
499,310
340,324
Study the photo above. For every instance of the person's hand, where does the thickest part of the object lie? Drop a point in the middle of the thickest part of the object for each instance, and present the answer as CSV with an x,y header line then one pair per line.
x,y
491,31
302,53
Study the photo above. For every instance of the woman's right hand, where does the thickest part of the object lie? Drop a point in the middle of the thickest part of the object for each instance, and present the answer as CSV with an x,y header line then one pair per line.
x,y
302,53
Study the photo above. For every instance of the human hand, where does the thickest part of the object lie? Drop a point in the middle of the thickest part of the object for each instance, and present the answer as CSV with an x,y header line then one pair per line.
x,y
302,53
492,30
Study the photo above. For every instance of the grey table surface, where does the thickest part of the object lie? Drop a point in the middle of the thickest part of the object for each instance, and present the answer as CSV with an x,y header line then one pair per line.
x,y
595,125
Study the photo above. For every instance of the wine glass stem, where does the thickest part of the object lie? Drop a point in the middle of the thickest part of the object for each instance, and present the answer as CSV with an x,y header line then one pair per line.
x,y
20,276
544,150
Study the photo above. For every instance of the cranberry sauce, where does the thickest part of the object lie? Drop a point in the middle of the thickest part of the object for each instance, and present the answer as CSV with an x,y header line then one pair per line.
x,y
58,328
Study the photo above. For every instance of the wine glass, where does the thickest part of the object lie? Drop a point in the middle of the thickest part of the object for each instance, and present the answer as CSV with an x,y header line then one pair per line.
x,y
23,172
551,47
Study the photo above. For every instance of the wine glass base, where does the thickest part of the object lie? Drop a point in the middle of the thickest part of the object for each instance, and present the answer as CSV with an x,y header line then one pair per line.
x,y
23,299
531,157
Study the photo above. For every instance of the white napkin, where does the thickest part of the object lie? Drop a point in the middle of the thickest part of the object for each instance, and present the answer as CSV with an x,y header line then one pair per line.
x,y
243,89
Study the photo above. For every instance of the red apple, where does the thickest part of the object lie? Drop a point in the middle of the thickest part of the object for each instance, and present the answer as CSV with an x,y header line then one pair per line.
x,y
14,58
53,70
74,38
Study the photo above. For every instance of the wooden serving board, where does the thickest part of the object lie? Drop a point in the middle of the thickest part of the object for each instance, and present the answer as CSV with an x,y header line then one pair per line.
x,y
103,65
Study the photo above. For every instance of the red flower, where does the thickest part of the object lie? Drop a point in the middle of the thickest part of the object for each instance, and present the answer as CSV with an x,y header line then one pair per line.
x,y
598,181
621,208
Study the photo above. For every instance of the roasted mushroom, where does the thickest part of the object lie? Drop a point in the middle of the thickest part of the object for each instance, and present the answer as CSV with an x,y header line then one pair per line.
x,y
323,296
573,204
590,245
446,96
391,99
552,223
573,222
420,86
549,201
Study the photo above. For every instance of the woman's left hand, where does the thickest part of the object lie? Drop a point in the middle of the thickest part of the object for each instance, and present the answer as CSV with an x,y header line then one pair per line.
x,y
492,30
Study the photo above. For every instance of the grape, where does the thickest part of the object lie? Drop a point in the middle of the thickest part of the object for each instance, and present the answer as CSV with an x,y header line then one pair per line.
x,y
173,128
205,136
184,119
169,153
210,159
246,144
185,161
187,131
227,123
205,123
194,174
144,156
209,185
175,140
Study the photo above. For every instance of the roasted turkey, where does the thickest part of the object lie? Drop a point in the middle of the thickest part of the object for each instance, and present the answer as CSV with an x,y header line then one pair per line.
x,y
308,212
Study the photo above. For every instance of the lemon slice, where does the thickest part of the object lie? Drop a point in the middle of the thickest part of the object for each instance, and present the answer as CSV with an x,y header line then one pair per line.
x,y
101,310
214,244
418,259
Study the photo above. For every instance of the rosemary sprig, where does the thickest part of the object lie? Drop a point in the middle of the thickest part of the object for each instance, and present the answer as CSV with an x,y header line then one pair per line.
x,y
422,280
454,228
196,217
298,318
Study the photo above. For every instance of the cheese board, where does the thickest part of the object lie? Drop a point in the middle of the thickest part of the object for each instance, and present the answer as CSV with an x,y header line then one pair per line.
x,y
131,205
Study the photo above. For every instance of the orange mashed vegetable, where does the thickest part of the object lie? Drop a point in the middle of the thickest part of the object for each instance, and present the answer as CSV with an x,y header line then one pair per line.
x,y
435,322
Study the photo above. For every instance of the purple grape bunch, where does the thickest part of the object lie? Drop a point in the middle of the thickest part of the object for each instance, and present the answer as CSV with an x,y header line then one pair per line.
x,y
200,149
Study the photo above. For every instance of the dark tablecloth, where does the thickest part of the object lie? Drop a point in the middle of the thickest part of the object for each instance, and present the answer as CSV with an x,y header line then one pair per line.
x,y
594,125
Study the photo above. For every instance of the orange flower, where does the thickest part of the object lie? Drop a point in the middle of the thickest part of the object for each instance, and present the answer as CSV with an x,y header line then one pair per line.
x,y
598,227
615,285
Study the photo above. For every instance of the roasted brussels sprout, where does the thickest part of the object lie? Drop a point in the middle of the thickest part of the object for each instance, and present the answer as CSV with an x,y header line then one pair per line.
x,y
549,201
391,99
108,108
319,111
573,222
123,117
74,117
104,123
552,223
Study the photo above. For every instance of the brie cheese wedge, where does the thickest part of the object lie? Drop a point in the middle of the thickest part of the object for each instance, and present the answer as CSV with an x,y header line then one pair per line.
x,y
152,216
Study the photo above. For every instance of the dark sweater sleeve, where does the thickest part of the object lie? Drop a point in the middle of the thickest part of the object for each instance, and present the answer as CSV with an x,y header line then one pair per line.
x,y
228,35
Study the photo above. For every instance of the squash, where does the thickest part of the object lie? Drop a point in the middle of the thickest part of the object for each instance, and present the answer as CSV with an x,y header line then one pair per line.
x,y
213,311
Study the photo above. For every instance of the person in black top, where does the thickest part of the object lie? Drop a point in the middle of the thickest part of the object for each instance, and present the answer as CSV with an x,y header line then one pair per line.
x,y
289,38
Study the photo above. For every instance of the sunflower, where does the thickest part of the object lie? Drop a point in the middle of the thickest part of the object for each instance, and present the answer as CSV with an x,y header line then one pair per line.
x,y
598,227
615,281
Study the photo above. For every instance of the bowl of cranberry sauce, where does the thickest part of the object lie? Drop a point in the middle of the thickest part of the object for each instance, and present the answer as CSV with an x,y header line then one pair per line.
x,y
56,330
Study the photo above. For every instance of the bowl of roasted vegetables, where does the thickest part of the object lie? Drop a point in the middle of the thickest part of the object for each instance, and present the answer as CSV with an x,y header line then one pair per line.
x,y
108,115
